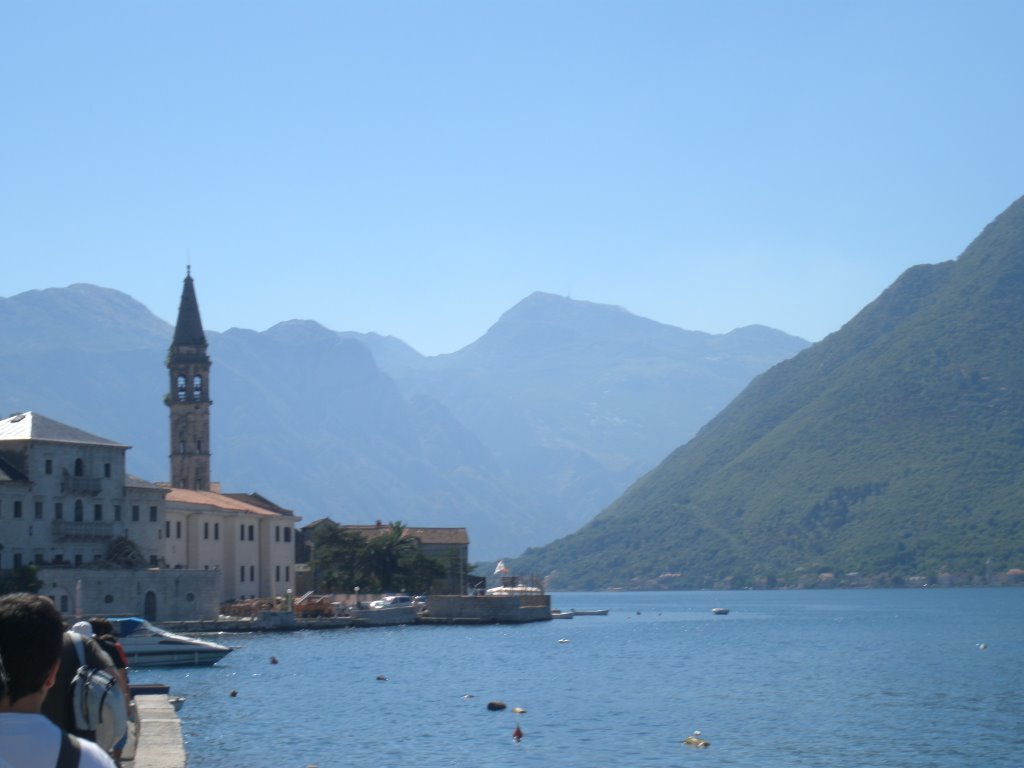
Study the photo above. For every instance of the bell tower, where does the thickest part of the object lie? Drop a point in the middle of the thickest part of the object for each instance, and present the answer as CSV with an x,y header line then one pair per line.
x,y
189,397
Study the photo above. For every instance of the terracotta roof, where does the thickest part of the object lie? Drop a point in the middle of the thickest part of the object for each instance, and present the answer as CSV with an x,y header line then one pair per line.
x,y
261,501
220,501
35,426
453,536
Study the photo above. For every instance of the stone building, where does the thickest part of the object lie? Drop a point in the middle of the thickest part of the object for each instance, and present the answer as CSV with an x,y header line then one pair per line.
x,y
109,543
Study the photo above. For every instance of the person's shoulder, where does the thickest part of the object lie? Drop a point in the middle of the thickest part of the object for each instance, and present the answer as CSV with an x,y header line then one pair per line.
x,y
95,656
93,756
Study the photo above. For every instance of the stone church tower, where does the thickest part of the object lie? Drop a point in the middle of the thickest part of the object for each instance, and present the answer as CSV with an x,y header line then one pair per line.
x,y
189,398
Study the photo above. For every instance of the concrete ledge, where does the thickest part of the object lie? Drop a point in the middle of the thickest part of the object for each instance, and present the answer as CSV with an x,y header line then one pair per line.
x,y
160,742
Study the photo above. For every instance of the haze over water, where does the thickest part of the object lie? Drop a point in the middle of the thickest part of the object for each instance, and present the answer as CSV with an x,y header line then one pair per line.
x,y
804,678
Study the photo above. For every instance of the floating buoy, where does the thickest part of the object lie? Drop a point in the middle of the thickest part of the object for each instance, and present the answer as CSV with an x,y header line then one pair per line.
x,y
519,710
495,706
696,741
517,734
273,659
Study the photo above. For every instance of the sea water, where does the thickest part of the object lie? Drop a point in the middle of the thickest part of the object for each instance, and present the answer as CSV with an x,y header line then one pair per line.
x,y
928,677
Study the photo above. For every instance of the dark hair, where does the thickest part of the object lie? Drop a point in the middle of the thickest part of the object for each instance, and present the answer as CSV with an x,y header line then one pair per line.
x,y
101,626
31,636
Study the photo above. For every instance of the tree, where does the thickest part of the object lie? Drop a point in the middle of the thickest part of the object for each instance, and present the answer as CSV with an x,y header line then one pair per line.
x,y
385,552
338,555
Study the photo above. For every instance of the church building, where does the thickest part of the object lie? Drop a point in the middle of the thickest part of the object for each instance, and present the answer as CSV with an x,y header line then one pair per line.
x,y
246,537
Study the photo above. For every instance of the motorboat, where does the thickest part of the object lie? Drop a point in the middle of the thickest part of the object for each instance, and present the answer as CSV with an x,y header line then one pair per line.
x,y
147,645
591,612
557,614
720,611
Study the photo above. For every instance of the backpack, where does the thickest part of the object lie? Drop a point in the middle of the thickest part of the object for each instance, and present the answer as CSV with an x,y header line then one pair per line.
x,y
97,702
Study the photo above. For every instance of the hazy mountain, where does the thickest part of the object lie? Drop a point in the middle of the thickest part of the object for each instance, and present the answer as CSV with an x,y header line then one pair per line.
x,y
892,448
577,399
520,437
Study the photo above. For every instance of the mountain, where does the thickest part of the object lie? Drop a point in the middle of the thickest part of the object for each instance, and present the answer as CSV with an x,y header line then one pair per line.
x,y
576,399
892,449
520,437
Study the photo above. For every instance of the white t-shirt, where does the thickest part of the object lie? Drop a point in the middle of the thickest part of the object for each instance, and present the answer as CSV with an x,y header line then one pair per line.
x,y
32,741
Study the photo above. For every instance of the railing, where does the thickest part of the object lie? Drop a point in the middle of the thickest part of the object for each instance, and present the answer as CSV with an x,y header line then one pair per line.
x,y
64,530
82,485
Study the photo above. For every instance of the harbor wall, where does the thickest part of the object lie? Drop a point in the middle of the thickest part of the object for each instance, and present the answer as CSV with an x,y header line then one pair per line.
x,y
158,594
490,609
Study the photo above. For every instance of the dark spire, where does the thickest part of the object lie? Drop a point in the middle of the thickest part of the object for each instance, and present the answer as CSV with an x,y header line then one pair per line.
x,y
189,330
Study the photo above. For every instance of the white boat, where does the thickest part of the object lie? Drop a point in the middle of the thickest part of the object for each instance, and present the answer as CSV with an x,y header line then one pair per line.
x,y
557,614
591,612
147,645
720,611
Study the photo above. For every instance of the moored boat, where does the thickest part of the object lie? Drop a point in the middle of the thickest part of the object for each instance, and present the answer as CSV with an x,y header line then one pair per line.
x,y
720,611
147,645
591,612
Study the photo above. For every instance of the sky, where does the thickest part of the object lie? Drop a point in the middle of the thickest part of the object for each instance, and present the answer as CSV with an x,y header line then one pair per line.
x,y
415,169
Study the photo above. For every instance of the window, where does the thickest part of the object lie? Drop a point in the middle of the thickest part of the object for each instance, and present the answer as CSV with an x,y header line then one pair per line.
x,y
17,559
39,558
216,531
78,561
177,529
58,511
241,573
181,389
63,603
252,573
287,572
152,514
117,513
49,466
197,388
241,533
17,509
79,511
287,534
277,573
167,529
252,533
153,561
206,530
79,467
58,559
97,512
135,513
106,469
39,510
277,533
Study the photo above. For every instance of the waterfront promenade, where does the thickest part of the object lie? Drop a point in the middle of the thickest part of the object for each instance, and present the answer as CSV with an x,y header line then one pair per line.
x,y
160,742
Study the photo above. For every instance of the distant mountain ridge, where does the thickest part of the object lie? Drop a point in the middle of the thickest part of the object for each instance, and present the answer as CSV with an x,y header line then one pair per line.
x,y
520,437
890,450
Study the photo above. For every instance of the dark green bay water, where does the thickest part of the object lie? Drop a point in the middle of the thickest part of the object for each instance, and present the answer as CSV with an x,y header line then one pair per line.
x,y
810,678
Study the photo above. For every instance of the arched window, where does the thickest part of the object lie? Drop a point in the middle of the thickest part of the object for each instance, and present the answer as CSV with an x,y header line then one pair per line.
x,y
181,389
197,388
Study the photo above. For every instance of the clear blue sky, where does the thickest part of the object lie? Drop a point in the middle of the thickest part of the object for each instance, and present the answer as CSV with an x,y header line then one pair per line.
x,y
417,168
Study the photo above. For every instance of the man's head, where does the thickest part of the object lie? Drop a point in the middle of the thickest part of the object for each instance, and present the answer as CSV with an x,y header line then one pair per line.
x,y
31,635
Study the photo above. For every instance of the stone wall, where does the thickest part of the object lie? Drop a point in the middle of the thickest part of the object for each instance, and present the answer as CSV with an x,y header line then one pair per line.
x,y
490,608
158,595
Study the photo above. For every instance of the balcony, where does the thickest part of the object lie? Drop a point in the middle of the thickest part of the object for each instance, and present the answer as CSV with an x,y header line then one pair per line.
x,y
91,485
66,530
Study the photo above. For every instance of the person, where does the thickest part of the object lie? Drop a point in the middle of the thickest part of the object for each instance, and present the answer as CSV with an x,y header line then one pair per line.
x,y
57,705
103,633
31,639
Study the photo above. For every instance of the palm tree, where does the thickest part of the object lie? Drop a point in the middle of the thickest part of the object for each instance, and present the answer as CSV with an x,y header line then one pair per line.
x,y
384,554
